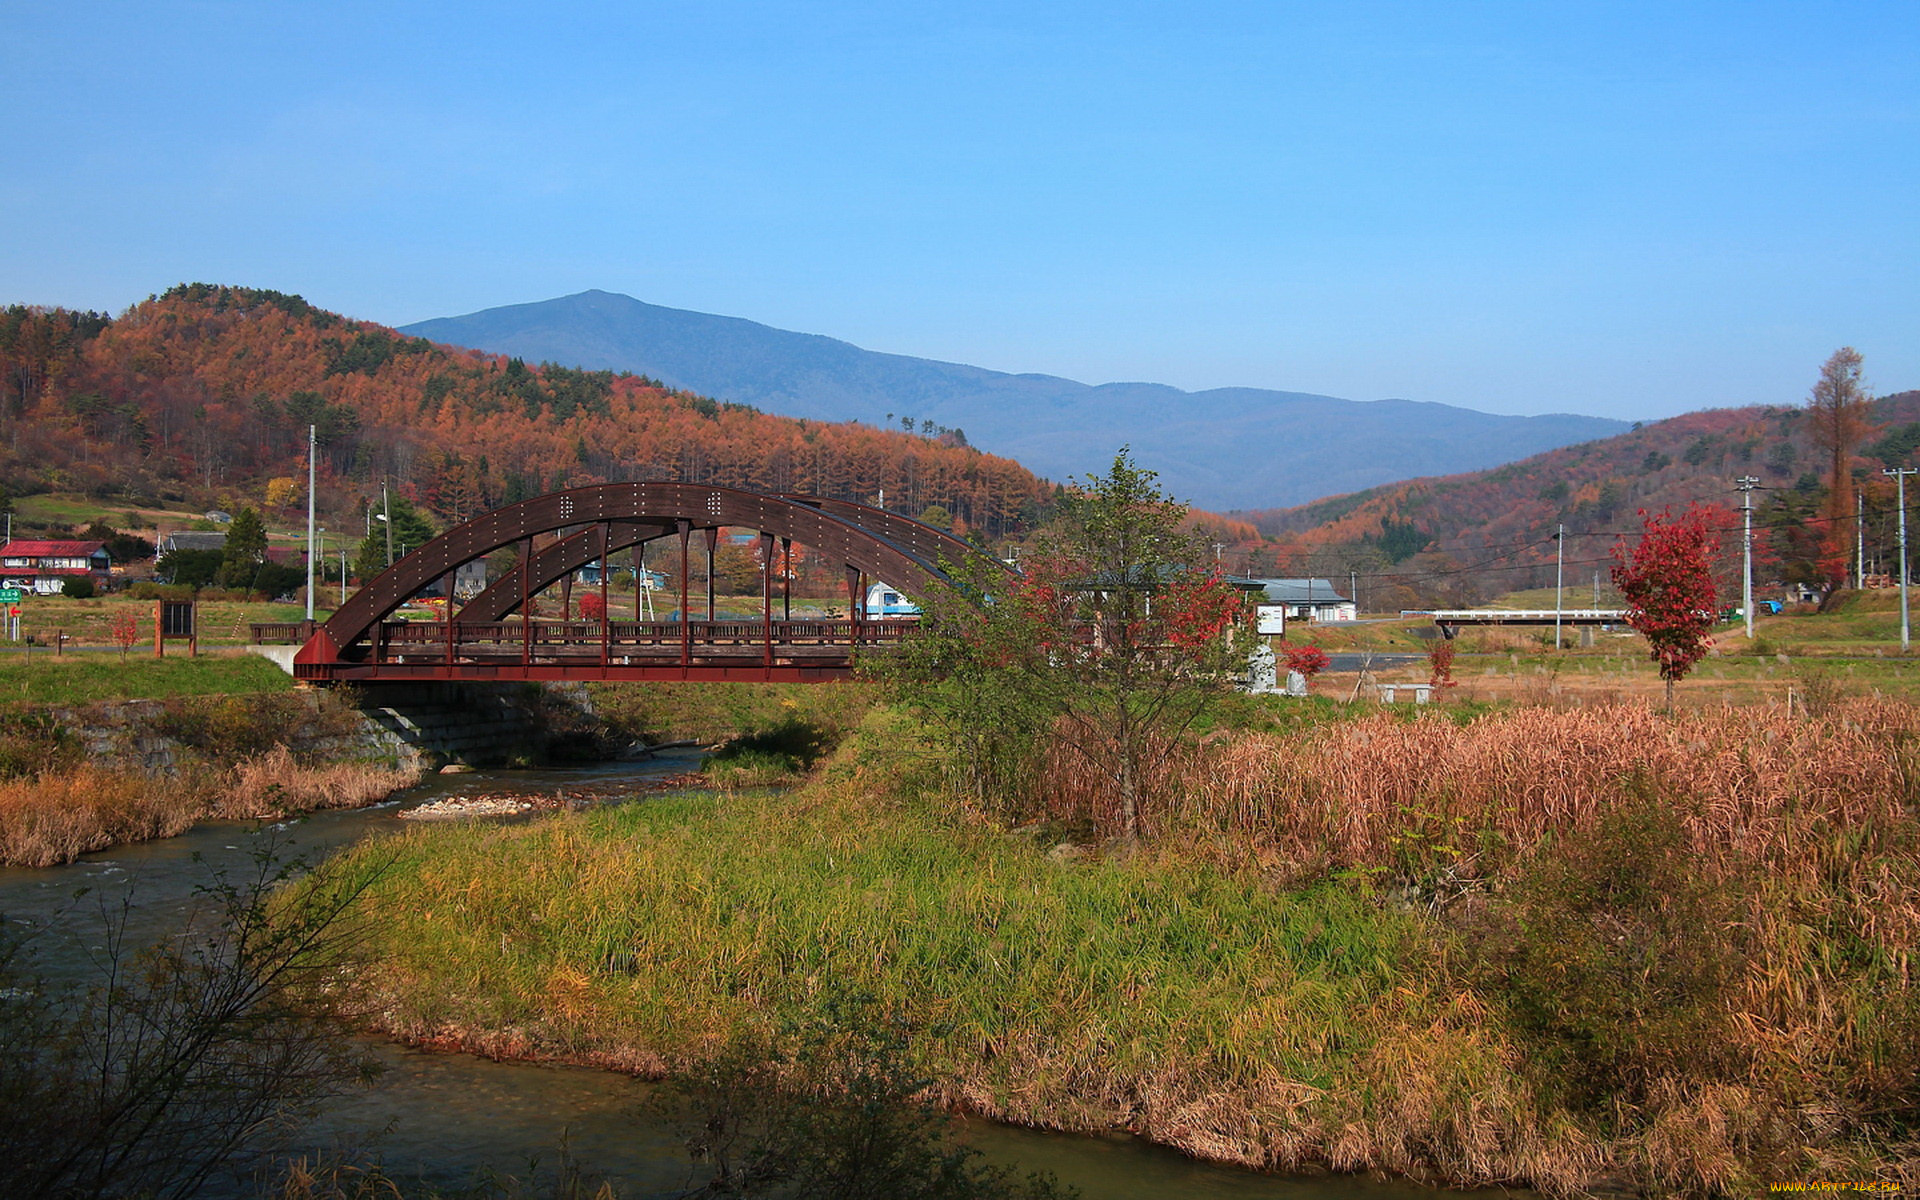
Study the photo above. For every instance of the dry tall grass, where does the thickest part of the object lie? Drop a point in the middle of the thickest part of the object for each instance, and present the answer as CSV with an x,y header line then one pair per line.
x,y
276,783
1798,840
1349,795
56,816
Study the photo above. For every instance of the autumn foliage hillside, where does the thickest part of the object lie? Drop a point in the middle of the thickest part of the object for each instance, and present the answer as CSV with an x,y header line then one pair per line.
x,y
1466,537
202,395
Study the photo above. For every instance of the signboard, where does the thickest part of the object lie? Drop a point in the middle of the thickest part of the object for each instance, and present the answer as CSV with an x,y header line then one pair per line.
x,y
1270,618
176,618
9,595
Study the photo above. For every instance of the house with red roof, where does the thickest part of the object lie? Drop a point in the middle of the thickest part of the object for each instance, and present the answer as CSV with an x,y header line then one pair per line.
x,y
44,567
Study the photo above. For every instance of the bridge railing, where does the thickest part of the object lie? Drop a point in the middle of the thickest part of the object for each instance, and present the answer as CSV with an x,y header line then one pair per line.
x,y
576,638
279,633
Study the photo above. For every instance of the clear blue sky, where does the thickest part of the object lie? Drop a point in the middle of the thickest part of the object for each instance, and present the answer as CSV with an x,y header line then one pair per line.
x,y
1629,209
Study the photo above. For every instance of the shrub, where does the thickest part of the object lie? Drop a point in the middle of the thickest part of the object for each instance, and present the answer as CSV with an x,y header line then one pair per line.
x,y
79,587
772,754
1617,949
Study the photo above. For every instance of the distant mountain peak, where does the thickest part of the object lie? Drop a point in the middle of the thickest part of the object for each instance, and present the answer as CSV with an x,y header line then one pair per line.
x,y
1221,448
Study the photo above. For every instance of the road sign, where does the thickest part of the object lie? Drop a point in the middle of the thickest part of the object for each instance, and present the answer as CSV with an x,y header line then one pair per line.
x,y
9,595
13,610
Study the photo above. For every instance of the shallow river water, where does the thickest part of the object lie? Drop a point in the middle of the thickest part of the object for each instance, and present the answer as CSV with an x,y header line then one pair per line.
x,y
445,1116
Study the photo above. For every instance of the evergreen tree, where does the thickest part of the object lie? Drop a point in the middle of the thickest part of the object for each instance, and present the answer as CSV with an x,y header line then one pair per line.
x,y
246,549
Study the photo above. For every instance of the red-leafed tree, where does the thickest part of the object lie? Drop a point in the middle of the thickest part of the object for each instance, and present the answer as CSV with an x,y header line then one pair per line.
x,y
124,630
1667,579
592,607
1113,641
1305,661
1440,664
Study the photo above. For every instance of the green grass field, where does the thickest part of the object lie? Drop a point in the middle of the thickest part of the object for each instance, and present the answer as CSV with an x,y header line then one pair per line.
x,y
88,678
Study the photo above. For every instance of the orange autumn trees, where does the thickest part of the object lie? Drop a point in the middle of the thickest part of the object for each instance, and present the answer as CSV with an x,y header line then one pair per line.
x,y
208,391
1837,413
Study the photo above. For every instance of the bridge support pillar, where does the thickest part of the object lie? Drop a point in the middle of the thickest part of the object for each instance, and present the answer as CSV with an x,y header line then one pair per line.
x,y
686,618
526,600
766,596
713,541
606,613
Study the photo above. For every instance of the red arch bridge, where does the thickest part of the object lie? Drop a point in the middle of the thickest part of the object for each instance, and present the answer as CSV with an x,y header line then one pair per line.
x,y
492,636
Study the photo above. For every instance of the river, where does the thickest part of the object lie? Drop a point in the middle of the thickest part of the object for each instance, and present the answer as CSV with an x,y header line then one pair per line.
x,y
445,1116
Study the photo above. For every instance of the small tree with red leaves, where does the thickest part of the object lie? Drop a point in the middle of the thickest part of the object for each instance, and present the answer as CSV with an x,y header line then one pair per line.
x,y
1667,579
125,631
1440,664
593,607
1305,661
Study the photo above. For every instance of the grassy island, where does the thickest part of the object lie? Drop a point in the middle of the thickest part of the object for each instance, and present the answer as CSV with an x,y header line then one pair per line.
x,y
1571,948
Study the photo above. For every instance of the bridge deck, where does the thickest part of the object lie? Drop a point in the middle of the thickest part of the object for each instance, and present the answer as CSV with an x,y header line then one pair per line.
x,y
1521,616
795,651
1450,620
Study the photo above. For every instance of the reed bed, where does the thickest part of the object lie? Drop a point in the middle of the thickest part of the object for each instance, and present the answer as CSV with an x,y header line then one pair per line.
x,y
276,783
1354,795
58,815
1762,1008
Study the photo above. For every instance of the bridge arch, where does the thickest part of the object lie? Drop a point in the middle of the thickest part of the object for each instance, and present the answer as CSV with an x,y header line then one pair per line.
x,y
614,517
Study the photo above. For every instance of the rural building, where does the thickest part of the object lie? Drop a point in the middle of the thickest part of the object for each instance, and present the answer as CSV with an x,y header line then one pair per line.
x,y
1313,600
44,567
885,603
190,540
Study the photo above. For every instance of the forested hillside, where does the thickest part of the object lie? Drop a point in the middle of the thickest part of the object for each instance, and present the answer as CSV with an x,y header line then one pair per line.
x,y
203,395
200,398
1463,538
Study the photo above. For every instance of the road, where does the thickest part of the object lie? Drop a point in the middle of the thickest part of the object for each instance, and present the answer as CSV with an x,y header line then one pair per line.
x,y
1380,662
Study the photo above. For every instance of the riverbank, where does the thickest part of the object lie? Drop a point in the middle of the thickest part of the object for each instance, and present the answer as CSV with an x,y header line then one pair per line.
x,y
1573,950
184,740
75,779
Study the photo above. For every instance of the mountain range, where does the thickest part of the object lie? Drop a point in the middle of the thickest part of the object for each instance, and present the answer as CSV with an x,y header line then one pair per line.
x,y
1225,448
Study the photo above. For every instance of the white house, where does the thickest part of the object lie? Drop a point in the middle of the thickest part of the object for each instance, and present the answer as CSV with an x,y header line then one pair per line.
x,y
1313,600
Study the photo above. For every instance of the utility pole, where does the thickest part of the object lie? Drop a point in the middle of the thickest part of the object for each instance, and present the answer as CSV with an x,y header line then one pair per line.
x,y
1746,484
312,442
1900,481
386,514
1559,579
1860,540
1353,586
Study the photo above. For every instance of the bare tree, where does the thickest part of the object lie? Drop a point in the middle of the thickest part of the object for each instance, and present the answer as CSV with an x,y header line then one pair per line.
x,y
188,1054
1838,406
